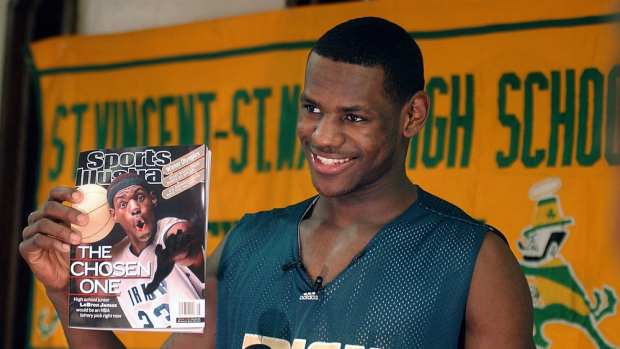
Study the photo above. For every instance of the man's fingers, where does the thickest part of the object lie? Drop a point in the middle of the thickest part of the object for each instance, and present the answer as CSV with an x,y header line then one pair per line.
x,y
57,211
48,243
40,242
34,216
171,242
61,194
52,229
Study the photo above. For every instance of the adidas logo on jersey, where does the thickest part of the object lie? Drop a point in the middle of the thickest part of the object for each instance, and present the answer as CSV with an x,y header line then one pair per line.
x,y
309,296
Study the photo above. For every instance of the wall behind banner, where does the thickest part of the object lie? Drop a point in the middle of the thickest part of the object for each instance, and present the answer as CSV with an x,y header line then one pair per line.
x,y
522,132
115,16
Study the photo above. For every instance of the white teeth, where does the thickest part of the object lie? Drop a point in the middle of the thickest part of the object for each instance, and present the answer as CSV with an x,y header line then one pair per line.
x,y
328,161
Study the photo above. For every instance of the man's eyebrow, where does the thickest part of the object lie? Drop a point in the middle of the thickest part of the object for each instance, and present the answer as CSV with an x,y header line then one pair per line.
x,y
305,99
353,108
342,109
122,194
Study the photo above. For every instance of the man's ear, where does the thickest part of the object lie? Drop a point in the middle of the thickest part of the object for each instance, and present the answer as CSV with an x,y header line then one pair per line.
x,y
415,113
111,210
153,198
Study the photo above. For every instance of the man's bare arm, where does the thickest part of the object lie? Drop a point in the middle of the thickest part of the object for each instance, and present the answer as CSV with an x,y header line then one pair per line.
x,y
45,247
499,305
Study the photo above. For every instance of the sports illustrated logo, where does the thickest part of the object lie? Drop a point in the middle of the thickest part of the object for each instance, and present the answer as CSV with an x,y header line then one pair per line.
x,y
557,294
309,296
254,341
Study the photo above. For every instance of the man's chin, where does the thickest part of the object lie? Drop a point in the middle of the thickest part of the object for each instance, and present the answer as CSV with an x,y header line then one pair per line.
x,y
332,190
143,236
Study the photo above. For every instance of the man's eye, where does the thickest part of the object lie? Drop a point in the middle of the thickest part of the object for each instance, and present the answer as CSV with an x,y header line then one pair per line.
x,y
311,108
140,197
353,118
123,204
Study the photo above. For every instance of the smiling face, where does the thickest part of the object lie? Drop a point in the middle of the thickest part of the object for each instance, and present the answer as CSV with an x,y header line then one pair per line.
x,y
353,135
134,211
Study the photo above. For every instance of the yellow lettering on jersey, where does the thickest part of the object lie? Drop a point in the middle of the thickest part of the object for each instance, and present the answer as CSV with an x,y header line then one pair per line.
x,y
299,344
323,345
277,343
273,343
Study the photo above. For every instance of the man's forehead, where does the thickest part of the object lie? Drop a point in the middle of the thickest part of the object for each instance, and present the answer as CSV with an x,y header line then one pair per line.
x,y
129,190
351,85
315,60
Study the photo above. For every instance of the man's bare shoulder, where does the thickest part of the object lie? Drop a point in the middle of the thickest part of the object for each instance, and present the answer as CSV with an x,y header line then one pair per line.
x,y
499,306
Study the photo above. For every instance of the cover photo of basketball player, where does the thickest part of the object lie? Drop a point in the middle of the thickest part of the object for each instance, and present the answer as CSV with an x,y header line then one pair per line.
x,y
148,272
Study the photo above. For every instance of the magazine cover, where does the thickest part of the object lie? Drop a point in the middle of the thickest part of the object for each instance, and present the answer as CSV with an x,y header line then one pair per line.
x,y
141,263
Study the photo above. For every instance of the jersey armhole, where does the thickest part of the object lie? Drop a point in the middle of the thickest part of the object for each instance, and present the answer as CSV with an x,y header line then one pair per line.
x,y
499,234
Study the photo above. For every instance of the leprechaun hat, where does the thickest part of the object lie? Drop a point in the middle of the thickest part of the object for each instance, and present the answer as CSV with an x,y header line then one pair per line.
x,y
549,220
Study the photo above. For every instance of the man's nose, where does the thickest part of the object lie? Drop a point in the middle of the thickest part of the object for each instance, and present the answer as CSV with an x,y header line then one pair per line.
x,y
134,208
327,134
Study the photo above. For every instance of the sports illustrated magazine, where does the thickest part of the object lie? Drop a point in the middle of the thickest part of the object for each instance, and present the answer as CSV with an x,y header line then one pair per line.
x,y
141,263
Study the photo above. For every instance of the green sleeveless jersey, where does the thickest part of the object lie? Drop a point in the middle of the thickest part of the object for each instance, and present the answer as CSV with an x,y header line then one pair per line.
x,y
406,289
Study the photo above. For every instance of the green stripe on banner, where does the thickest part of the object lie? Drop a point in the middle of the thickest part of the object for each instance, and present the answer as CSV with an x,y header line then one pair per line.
x,y
519,26
300,45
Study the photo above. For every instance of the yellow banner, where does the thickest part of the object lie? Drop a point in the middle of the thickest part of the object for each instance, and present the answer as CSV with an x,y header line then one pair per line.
x,y
522,133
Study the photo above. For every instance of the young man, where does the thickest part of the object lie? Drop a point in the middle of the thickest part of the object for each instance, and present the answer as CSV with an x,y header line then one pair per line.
x,y
133,207
373,261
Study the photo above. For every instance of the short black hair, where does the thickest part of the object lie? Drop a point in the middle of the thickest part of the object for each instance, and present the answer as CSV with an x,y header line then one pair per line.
x,y
373,41
123,181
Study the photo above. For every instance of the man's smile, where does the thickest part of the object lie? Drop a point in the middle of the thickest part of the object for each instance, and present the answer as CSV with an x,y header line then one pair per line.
x,y
331,164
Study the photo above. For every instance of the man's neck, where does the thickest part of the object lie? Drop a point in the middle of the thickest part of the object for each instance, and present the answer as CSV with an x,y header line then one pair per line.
x,y
373,206
136,247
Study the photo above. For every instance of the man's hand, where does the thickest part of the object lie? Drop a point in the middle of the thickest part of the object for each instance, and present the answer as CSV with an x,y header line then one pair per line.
x,y
185,242
183,245
45,247
48,236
